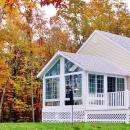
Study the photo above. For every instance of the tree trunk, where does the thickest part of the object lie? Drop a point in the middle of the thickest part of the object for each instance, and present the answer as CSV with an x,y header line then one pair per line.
x,y
2,98
33,114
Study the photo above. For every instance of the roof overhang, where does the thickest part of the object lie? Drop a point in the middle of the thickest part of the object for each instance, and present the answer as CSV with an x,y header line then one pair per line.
x,y
55,57
86,63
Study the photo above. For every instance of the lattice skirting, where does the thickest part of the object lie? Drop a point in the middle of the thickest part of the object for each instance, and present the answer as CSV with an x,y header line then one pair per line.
x,y
78,116
112,116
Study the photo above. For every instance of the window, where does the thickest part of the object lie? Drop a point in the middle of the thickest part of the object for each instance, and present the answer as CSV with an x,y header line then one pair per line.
x,y
115,84
70,67
55,103
120,84
92,83
52,88
111,84
76,102
52,84
75,82
55,70
100,83
96,83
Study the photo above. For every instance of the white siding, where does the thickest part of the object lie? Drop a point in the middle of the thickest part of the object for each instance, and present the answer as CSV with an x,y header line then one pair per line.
x,y
102,47
128,83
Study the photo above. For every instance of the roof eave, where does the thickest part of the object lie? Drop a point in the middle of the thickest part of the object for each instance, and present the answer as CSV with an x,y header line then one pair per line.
x,y
45,67
40,74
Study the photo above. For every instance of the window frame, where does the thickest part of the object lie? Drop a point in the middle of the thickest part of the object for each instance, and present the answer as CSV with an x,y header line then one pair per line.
x,y
79,68
53,89
75,98
52,77
55,62
80,72
117,77
96,74
73,88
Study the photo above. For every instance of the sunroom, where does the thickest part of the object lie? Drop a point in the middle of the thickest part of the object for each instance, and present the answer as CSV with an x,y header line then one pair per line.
x,y
96,83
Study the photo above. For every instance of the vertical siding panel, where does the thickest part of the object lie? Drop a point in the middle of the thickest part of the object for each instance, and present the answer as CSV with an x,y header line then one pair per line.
x,y
101,47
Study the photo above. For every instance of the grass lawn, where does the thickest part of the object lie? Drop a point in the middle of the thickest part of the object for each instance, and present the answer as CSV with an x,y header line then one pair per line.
x,y
62,126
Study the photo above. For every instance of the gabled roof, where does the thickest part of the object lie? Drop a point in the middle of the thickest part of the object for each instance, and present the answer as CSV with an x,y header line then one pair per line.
x,y
119,40
89,63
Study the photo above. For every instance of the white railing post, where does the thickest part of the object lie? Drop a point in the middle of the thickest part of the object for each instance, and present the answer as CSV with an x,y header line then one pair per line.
x,y
87,92
105,91
126,99
84,88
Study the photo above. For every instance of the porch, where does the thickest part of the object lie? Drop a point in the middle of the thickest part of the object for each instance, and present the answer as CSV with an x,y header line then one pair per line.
x,y
112,107
109,100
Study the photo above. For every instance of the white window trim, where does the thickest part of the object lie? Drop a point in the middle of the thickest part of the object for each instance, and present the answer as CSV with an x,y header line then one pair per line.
x,y
59,88
75,73
51,77
50,67
52,100
96,82
125,84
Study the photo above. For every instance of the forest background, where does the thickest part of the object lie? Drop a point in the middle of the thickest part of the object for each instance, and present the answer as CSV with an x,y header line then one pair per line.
x,y
28,40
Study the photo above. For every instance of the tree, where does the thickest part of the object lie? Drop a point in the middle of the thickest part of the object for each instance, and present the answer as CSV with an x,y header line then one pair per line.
x,y
72,16
84,17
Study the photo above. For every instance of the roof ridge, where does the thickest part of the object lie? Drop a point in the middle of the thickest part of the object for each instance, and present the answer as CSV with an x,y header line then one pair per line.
x,y
113,34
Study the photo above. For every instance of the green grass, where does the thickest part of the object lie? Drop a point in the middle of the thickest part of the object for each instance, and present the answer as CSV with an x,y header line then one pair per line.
x,y
62,126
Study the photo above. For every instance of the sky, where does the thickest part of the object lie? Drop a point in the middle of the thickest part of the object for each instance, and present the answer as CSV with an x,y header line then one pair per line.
x,y
51,11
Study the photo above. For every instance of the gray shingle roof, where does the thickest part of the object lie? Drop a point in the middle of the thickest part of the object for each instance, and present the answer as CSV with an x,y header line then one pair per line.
x,y
121,40
95,64
89,64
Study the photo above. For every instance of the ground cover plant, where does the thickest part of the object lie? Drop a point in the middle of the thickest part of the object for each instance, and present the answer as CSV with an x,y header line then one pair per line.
x,y
63,126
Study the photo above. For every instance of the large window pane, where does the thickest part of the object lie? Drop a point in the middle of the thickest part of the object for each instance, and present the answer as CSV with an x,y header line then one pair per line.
x,y
96,83
120,84
75,82
100,84
52,88
55,70
70,67
92,83
111,84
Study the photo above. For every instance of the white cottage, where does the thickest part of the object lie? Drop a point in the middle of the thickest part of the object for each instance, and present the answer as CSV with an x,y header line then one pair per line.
x,y
99,74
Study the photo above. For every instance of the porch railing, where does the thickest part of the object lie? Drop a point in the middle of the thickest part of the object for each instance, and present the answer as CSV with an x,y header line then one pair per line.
x,y
109,100
96,99
116,99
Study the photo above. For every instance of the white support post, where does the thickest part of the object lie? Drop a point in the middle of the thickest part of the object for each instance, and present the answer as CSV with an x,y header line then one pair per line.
x,y
87,91
84,88
126,98
62,82
105,91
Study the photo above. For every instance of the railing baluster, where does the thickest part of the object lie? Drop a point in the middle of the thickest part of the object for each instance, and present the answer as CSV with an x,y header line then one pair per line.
x,y
121,100
114,100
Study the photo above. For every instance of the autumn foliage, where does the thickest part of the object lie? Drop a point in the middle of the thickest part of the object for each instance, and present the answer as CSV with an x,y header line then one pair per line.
x,y
28,40
56,3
